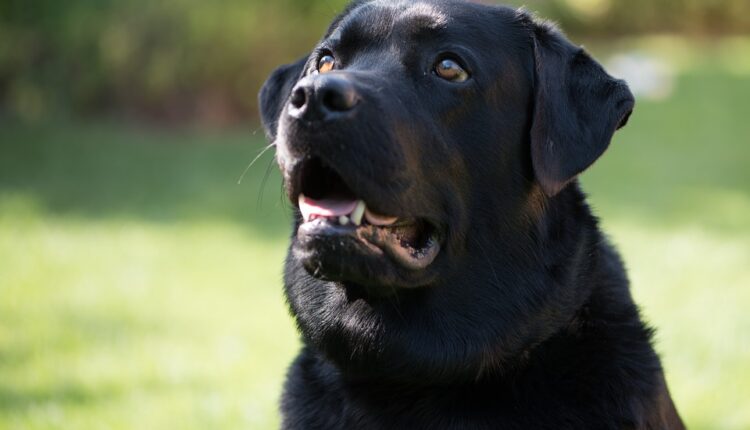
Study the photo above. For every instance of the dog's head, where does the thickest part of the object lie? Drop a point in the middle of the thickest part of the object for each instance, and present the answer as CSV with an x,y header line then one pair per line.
x,y
423,143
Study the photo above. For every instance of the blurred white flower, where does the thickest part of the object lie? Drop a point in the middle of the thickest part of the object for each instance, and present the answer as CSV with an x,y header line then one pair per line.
x,y
648,76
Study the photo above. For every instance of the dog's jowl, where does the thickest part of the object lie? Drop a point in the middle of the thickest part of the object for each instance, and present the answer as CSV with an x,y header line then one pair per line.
x,y
445,270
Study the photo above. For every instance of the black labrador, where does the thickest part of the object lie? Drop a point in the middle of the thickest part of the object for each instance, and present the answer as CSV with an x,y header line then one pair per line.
x,y
445,270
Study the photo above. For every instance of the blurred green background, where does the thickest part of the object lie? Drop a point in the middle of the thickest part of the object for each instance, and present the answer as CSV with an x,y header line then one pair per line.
x,y
140,283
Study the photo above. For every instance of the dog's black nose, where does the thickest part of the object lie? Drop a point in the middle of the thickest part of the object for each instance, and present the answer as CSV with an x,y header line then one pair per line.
x,y
323,97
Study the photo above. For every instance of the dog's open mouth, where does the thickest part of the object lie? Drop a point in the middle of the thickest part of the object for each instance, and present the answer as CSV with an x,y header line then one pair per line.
x,y
330,208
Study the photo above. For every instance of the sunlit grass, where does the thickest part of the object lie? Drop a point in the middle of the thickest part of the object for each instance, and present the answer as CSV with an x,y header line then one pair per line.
x,y
135,325
140,285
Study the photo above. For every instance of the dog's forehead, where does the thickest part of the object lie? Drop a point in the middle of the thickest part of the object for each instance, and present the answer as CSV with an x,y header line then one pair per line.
x,y
379,20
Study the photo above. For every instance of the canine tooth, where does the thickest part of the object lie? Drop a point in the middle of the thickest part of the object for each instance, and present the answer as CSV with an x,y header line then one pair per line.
x,y
343,220
300,200
358,213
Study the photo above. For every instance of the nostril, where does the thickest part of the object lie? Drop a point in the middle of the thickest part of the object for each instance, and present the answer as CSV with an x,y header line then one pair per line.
x,y
339,99
299,98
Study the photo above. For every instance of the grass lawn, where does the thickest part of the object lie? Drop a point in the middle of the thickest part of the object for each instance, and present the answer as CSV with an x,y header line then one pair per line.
x,y
140,284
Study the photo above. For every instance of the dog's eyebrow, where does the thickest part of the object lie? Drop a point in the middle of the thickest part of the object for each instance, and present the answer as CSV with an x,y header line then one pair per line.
x,y
424,17
362,26
359,27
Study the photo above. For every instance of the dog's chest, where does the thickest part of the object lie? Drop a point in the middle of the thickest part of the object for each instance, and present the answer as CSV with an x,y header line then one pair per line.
x,y
316,398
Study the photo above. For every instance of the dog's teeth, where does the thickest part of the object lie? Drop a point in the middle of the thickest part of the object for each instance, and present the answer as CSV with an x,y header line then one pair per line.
x,y
305,217
343,220
358,213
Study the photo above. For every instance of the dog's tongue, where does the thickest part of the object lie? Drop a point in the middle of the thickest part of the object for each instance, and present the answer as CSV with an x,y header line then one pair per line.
x,y
325,207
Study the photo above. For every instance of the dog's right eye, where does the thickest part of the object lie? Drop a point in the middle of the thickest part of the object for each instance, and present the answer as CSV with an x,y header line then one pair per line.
x,y
326,63
450,70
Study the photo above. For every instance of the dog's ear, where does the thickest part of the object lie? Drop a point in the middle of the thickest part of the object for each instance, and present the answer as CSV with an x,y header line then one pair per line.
x,y
275,92
577,109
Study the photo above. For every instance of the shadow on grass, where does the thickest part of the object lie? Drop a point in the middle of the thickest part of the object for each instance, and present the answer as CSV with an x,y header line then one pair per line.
x,y
111,171
65,394
13,399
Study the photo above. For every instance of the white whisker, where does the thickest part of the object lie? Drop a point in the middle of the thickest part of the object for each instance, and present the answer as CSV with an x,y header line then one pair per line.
x,y
263,151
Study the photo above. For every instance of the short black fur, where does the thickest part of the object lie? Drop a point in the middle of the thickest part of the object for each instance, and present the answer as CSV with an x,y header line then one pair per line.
x,y
524,320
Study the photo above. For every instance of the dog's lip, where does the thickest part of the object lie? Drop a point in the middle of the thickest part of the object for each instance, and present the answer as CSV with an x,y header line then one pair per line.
x,y
375,240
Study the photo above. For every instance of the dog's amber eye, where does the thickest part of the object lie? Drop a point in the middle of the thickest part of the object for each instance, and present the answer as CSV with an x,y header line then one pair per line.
x,y
450,70
326,63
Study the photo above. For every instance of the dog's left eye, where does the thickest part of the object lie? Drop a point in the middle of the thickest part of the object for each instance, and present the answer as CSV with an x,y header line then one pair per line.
x,y
451,70
326,63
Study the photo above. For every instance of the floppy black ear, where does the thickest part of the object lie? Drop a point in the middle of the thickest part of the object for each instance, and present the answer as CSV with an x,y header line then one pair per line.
x,y
577,109
275,92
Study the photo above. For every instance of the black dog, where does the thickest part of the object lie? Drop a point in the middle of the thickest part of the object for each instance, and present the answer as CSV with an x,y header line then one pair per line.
x,y
445,270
